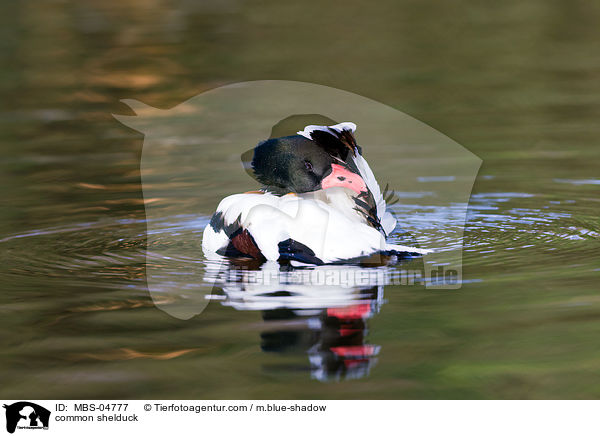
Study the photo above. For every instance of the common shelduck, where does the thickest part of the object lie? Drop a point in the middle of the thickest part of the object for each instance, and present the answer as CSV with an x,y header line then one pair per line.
x,y
319,203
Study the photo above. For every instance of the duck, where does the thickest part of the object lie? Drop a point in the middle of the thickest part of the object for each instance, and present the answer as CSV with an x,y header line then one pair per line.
x,y
319,203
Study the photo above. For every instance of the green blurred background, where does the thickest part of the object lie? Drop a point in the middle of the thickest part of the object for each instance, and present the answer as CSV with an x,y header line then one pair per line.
x,y
517,83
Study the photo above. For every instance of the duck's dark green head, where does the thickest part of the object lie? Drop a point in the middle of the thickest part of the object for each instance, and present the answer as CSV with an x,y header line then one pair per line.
x,y
298,164
291,164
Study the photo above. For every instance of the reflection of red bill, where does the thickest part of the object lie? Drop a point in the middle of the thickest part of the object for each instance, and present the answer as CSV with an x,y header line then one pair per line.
x,y
355,311
356,351
344,178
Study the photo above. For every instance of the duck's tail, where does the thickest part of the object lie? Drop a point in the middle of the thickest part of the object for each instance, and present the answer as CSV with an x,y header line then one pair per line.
x,y
405,249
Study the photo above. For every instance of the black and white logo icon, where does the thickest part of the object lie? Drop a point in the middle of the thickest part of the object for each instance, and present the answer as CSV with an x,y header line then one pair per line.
x,y
26,415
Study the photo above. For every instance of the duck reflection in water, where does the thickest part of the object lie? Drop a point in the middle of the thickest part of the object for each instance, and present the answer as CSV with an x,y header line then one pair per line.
x,y
322,311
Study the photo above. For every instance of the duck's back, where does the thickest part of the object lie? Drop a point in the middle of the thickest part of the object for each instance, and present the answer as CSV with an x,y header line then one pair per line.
x,y
301,227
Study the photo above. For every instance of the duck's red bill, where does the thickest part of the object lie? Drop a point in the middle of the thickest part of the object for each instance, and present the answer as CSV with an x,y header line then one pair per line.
x,y
344,178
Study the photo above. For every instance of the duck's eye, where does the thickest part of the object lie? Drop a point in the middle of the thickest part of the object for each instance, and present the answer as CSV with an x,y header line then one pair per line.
x,y
308,165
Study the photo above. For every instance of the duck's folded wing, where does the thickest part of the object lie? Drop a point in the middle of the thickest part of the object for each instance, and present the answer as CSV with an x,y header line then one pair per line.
x,y
263,220
229,216
290,227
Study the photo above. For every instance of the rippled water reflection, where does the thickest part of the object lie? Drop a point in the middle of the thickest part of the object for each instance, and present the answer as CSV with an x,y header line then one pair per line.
x,y
313,327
